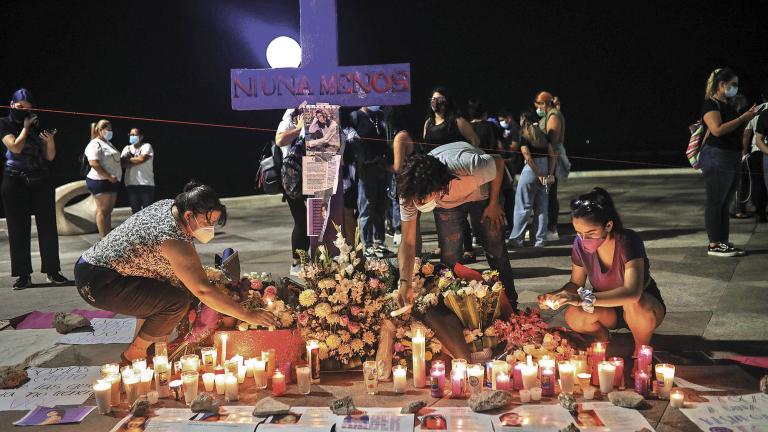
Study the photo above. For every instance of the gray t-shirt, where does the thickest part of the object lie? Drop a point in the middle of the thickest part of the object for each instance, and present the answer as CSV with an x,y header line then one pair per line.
x,y
474,170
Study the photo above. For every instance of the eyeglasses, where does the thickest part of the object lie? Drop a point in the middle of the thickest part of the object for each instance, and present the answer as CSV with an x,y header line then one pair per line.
x,y
585,204
437,99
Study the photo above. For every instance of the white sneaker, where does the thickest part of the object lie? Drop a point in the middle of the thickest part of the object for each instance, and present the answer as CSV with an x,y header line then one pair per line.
x,y
396,239
527,236
295,269
552,235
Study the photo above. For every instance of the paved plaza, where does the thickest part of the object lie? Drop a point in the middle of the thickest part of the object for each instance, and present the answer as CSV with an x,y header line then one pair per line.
x,y
715,306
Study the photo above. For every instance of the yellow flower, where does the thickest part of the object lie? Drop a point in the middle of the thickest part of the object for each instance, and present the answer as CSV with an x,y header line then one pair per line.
x,y
528,349
519,355
428,356
443,282
345,336
333,341
356,344
428,269
323,349
322,310
286,319
345,350
368,337
307,298
403,362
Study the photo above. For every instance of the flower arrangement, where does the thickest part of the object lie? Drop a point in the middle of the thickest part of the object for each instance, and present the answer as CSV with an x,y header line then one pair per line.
x,y
405,326
342,302
525,333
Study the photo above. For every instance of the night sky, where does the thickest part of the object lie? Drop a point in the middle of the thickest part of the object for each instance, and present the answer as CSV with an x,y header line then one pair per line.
x,y
631,77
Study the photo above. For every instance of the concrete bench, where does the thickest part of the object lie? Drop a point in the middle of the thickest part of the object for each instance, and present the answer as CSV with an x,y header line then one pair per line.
x,y
78,218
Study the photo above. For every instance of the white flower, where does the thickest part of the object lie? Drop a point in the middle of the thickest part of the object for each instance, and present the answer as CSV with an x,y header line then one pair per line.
x,y
481,291
497,287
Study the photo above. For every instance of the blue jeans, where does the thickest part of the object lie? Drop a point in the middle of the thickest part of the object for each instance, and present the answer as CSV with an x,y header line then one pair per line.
x,y
371,207
531,202
719,168
450,237
394,202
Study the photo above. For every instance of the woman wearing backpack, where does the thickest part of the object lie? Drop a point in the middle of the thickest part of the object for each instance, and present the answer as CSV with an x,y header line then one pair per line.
x,y
531,199
103,179
720,156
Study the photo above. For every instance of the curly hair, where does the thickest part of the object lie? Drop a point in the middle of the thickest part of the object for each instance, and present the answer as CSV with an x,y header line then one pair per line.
x,y
422,175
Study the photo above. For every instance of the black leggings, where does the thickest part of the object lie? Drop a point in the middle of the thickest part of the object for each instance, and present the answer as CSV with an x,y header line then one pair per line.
x,y
299,238
161,304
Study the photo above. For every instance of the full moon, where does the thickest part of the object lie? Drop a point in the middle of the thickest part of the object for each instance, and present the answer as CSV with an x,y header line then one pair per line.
x,y
283,52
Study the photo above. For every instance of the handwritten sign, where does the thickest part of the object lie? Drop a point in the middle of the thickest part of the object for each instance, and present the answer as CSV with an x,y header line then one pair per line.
x,y
732,413
105,331
51,386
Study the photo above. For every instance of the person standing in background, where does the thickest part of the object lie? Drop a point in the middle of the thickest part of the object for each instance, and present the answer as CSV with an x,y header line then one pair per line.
x,y
138,159
103,179
755,161
553,124
27,190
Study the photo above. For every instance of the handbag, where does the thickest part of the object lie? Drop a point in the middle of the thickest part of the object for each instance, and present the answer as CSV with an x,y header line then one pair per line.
x,y
269,177
699,134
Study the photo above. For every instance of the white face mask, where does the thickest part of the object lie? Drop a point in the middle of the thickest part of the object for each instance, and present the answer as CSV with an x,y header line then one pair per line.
x,y
203,234
732,91
427,206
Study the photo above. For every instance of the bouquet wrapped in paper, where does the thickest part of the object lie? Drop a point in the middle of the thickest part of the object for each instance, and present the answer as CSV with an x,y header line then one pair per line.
x,y
525,333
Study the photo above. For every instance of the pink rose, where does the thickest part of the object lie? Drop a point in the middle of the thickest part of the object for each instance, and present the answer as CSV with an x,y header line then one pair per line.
x,y
374,283
356,310
399,347
303,318
354,327
256,284
344,320
269,297
270,290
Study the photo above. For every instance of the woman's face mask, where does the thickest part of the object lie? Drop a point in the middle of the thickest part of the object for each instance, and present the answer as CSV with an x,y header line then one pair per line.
x,y
427,206
107,135
731,91
203,234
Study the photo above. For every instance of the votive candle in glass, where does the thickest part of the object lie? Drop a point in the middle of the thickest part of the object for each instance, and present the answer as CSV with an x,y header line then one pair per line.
x,y
103,393
278,383
131,385
517,376
221,384
525,395
475,375
645,358
665,374
145,381
618,378
588,392
458,383
209,379
313,359
231,392
190,363
642,383
286,368
457,364
596,355
114,380
109,368
189,383
502,381
437,376
371,377
303,379
567,377
536,394
529,372
585,379
223,348
162,375
271,361
208,357
240,374
174,387
676,398
238,359
606,372
497,367
153,397
260,374
547,381
579,362
250,365
399,378
139,365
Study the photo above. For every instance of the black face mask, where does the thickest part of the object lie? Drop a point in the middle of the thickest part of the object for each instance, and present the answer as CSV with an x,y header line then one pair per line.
x,y
439,106
19,115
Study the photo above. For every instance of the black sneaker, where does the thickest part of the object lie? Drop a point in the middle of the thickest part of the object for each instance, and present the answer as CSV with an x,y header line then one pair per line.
x,y
721,250
57,278
739,252
22,282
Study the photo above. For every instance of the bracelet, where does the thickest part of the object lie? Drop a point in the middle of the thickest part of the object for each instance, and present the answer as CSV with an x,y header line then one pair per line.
x,y
587,300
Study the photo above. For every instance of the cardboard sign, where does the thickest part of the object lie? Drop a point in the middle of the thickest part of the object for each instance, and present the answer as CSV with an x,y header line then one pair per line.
x,y
70,385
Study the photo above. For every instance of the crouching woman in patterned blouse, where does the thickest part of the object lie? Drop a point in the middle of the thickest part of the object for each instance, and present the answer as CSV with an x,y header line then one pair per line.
x,y
145,266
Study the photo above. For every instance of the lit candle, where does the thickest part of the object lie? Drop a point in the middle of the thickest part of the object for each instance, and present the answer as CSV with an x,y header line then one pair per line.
x,y
645,358
525,395
221,385
250,364
437,376
109,368
260,374
145,381
529,372
189,383
114,380
161,349
371,377
103,392
618,378
606,373
238,359
399,378
162,375
278,383
458,383
536,394
303,379
439,366
498,367
459,364
240,374
665,374
585,378
418,346
286,368
517,376
546,362
596,355
567,377
502,381
190,363
489,374
230,367
223,348
131,384
175,389
475,374
139,365
208,355
677,399
589,392
271,361
579,362
642,382
209,379
231,393
313,359
547,381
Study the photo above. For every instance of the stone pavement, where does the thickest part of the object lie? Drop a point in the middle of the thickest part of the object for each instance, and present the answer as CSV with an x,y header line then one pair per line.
x,y
715,306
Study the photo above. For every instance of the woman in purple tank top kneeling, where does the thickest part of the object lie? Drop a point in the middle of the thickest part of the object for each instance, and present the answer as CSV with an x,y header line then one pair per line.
x,y
622,293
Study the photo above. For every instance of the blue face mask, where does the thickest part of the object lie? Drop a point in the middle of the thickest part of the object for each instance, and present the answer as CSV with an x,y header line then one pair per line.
x,y
504,124
133,139
540,112
732,91
374,108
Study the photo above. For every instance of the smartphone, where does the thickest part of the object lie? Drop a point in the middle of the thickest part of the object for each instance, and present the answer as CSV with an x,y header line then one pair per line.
x,y
51,131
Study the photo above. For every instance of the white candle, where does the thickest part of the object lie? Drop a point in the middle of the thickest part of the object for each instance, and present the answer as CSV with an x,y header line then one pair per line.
x,y
114,380
260,374
175,389
145,381
240,374
529,372
220,384
475,375
303,379
497,367
665,375
190,363
502,381
399,379
139,365
536,394
153,397
103,392
238,359
131,384
278,383
567,377
231,393
676,399
606,372
525,396
109,368
250,365
223,348
546,362
208,355
189,383
419,360
579,362
589,392
209,379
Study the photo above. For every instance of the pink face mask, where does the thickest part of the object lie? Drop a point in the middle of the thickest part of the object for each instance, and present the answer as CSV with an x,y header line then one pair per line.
x,y
591,245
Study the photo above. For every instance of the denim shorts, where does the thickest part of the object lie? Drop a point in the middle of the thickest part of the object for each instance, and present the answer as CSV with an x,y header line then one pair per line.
x,y
98,187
